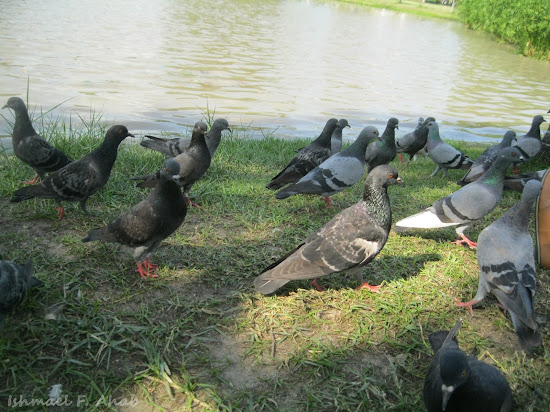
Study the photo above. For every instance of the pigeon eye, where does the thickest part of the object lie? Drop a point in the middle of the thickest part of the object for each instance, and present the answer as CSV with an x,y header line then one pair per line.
x,y
463,374
390,176
513,155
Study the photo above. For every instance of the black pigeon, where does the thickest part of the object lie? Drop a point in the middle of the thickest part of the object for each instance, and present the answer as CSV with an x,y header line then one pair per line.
x,y
78,180
174,147
382,151
456,382
149,222
506,258
307,158
14,282
411,143
194,162
347,243
337,173
486,159
336,138
30,147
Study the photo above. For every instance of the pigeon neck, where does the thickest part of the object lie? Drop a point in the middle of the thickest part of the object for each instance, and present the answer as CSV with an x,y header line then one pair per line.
x,y
325,136
108,150
377,204
170,190
197,139
388,137
23,126
357,149
518,215
534,131
495,174
433,137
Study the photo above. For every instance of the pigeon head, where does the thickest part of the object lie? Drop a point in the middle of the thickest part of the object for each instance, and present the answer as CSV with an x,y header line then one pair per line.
x,y
200,127
221,124
532,189
512,154
118,133
384,175
393,123
369,133
15,103
508,137
454,371
170,170
537,120
342,123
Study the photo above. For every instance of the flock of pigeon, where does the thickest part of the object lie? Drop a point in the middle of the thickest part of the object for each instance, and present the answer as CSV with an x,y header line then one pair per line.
x,y
353,238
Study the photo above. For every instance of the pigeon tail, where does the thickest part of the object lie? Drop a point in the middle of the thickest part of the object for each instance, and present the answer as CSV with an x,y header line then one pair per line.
x,y
147,180
267,286
29,192
422,220
528,337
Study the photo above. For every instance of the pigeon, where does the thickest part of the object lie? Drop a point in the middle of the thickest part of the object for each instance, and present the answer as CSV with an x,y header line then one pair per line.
x,y
80,179
336,138
457,382
383,151
30,147
486,159
412,143
443,154
530,143
149,222
194,162
337,173
517,183
174,147
468,203
347,243
14,282
307,158
506,257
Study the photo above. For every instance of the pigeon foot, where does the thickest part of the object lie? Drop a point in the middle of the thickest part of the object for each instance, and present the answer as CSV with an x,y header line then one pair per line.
x,y
372,288
146,268
327,200
61,212
400,157
468,305
31,182
316,285
464,240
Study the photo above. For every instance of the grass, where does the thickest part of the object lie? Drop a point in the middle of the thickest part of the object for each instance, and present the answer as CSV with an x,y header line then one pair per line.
x,y
200,337
426,9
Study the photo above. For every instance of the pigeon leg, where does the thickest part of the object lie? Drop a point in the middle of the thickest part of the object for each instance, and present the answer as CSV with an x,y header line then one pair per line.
x,y
327,200
151,266
464,240
60,210
189,203
437,169
400,157
365,285
316,285
83,207
468,305
31,182
143,268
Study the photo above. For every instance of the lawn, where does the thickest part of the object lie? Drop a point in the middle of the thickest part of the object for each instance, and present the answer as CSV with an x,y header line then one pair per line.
x,y
200,338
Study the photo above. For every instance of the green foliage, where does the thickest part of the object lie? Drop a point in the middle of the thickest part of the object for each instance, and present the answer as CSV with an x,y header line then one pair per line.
x,y
524,23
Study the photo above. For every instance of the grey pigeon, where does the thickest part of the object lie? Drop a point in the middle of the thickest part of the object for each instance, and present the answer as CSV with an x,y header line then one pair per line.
x,y
486,159
149,222
336,138
468,203
530,143
307,158
194,161
517,182
506,257
30,147
443,154
347,243
457,382
382,151
80,179
411,143
337,173
14,282
174,147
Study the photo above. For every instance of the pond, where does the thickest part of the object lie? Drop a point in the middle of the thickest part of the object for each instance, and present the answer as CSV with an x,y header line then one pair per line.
x,y
274,65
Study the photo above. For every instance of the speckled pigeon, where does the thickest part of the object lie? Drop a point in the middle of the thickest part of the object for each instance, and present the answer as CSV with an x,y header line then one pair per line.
x,y
307,158
486,159
506,257
80,179
411,143
336,138
149,222
174,147
383,151
443,154
347,243
30,147
337,173
194,162
457,382
14,282
468,203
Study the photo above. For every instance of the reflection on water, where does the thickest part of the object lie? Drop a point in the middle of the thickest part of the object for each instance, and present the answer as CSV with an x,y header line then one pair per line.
x,y
285,65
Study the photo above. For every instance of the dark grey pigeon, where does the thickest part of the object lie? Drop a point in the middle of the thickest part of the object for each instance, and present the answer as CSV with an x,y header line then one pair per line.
x,y
443,154
149,222
411,143
30,147
307,158
517,182
468,203
337,173
80,179
194,162
457,382
382,151
336,138
347,243
486,159
175,147
506,257
530,143
14,282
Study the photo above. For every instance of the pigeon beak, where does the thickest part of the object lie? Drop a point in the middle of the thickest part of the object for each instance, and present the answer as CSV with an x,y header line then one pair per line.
x,y
230,131
399,181
5,106
130,134
446,391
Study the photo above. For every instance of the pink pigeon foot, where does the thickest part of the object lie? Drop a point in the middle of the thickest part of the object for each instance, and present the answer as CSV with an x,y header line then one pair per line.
x,y
400,157
146,268
61,211
365,285
31,182
464,240
327,200
316,285
468,305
